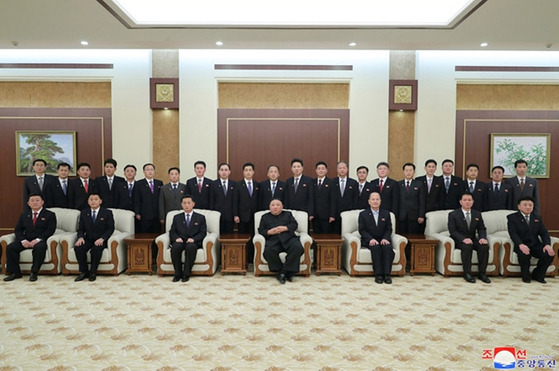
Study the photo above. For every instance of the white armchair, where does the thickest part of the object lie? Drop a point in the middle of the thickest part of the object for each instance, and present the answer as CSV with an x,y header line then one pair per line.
x,y
207,258
356,260
259,241
114,257
66,224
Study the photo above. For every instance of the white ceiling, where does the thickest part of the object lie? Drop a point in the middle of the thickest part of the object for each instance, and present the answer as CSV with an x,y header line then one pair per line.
x,y
62,24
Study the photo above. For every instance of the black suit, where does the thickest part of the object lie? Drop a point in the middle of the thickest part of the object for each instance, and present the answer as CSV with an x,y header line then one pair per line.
x,y
382,255
223,202
266,195
245,205
535,236
324,205
77,194
126,196
44,227
56,196
31,186
411,206
479,194
455,190
196,229
201,197
303,199
346,202
146,204
458,228
363,201
434,197
90,231
389,195
108,195
501,200
530,189
283,242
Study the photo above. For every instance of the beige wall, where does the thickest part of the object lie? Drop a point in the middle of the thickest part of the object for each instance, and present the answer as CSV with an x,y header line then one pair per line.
x,y
507,97
55,94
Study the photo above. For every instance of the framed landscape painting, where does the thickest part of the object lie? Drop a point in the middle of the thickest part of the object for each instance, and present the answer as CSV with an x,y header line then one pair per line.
x,y
534,148
52,146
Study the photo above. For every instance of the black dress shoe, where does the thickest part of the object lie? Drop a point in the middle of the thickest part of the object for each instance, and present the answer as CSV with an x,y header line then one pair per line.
x,y
468,277
185,278
281,278
289,277
92,277
484,278
12,277
387,279
81,277
378,279
541,280
526,280
32,277
176,278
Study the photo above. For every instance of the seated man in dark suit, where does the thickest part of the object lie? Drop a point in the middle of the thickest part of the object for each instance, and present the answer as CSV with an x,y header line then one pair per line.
x,y
375,228
187,233
463,224
32,230
95,228
278,227
531,239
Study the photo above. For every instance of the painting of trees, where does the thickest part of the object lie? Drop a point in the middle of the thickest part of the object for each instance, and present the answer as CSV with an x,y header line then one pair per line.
x,y
50,146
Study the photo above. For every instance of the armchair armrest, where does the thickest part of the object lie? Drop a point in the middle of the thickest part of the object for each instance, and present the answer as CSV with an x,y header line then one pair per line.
x,y
443,252
350,249
259,242
4,242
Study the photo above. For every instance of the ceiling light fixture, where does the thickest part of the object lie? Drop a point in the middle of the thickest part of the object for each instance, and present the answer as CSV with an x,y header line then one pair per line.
x,y
483,45
84,43
352,43
219,43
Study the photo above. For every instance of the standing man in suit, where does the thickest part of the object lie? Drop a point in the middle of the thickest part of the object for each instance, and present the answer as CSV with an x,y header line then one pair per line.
x,y
375,228
187,233
245,204
271,188
463,224
453,186
475,187
95,228
499,193
57,193
411,215
107,185
365,188
531,239
221,198
387,188
199,186
278,227
433,187
299,194
324,206
38,183
146,201
171,194
32,231
80,187
345,194
126,189
523,185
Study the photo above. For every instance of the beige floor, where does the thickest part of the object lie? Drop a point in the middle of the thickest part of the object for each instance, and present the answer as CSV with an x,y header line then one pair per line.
x,y
232,322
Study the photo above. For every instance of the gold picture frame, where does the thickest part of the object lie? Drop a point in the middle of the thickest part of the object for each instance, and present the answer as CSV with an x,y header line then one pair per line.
x,y
535,149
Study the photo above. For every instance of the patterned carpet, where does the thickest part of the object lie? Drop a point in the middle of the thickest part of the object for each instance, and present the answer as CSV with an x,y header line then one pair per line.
x,y
235,322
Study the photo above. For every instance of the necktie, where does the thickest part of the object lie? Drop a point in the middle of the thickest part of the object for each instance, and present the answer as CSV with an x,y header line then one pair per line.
x,y
250,188
296,184
447,184
64,187
375,214
41,183
320,184
522,185
527,217
34,218
360,188
130,188
93,216
175,188
496,187
342,186
471,187
407,186
151,185
199,186
429,181
380,185
468,219
85,186
110,184
187,220
273,188
225,188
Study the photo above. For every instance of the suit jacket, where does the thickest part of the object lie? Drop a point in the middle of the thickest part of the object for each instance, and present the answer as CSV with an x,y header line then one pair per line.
x,y
304,198
202,199
368,229
266,193
195,230
146,203
221,202
479,194
169,199
412,202
456,188
125,199
244,206
269,221
109,196
44,227
77,194
350,198
530,189
458,227
434,198
324,204
56,196
363,200
389,196
31,186
501,200
529,234
103,227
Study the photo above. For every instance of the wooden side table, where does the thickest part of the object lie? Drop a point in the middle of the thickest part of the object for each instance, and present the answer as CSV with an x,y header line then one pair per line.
x,y
139,252
422,254
233,253
328,256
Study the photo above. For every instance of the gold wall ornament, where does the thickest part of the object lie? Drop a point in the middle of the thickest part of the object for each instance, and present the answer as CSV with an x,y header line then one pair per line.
x,y
402,95
164,92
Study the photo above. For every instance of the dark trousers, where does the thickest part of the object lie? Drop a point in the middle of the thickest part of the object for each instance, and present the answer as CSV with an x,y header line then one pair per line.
x,y
190,250
466,256
15,248
95,251
321,225
382,256
409,226
248,228
544,260
294,250
226,226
